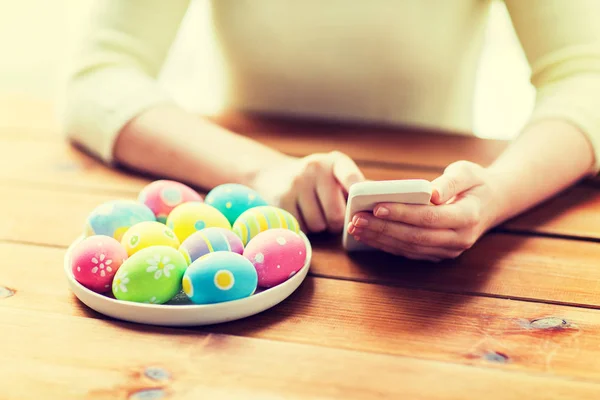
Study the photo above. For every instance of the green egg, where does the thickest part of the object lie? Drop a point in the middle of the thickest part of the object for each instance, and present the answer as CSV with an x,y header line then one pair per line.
x,y
152,275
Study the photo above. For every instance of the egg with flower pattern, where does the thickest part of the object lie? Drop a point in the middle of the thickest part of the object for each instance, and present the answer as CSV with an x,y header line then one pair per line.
x,y
151,275
164,195
188,218
95,261
209,240
232,199
114,218
146,234
277,254
259,219
219,277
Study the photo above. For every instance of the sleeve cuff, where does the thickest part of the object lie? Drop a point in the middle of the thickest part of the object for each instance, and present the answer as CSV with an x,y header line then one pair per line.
x,y
98,106
574,100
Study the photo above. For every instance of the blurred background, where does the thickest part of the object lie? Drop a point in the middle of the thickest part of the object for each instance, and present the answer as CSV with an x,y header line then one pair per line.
x,y
38,36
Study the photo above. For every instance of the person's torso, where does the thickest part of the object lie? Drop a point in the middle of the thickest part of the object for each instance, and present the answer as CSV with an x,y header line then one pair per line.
x,y
408,62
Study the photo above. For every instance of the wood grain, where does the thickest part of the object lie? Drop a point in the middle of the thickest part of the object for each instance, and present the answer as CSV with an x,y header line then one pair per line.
x,y
58,165
541,269
372,318
502,265
86,358
574,213
54,163
26,117
406,145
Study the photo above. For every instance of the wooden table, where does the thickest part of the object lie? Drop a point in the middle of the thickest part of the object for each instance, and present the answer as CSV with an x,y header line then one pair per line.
x,y
515,317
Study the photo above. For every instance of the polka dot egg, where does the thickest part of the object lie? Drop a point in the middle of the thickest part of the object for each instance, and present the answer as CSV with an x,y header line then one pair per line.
x,y
233,199
277,255
210,240
115,217
95,261
151,275
163,196
188,218
146,234
219,277
259,219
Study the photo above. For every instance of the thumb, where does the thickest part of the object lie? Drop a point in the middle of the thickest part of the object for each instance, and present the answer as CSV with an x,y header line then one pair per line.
x,y
457,178
346,171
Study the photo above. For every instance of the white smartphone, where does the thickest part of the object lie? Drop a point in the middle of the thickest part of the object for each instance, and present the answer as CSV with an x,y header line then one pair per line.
x,y
364,196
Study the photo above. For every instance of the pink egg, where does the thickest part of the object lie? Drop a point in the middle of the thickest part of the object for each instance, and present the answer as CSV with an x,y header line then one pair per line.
x,y
95,260
163,196
277,254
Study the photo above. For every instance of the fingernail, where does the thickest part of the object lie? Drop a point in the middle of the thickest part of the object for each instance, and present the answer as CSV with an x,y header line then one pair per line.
x,y
382,212
351,228
361,222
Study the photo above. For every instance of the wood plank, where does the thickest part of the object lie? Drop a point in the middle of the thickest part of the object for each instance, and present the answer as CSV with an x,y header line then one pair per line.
x,y
373,318
113,360
574,213
58,164
409,145
23,117
541,269
55,164
26,117
502,265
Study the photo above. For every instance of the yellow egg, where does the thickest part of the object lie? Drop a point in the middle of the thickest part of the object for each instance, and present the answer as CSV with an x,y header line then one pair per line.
x,y
259,219
191,217
147,234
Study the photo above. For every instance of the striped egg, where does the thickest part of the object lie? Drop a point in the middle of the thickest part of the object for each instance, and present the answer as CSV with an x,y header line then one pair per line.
x,y
259,219
163,196
210,240
115,217
188,218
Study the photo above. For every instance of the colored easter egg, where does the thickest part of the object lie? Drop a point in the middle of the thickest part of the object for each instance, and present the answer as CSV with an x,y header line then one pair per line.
x,y
277,254
115,217
209,240
95,261
146,234
218,277
259,219
151,275
163,196
233,199
188,218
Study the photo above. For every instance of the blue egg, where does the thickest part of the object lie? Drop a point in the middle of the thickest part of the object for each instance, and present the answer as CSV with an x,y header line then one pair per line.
x,y
232,199
218,277
115,217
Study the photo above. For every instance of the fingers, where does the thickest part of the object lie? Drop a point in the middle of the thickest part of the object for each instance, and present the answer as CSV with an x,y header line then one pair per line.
x,y
408,250
457,178
332,201
386,245
345,171
451,216
308,205
409,234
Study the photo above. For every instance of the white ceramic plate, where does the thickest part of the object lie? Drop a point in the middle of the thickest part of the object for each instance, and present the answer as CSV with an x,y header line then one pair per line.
x,y
180,311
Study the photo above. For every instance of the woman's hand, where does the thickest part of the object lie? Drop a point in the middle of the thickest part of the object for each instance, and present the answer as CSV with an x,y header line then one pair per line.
x,y
464,207
313,188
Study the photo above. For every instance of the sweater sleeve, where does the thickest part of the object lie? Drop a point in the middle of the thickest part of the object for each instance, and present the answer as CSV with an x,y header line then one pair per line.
x,y
115,71
561,40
